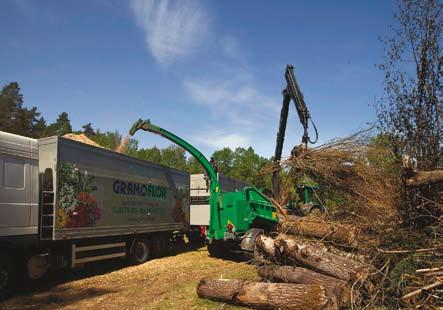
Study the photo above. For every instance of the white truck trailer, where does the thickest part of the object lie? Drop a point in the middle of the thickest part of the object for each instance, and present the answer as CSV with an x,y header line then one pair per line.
x,y
64,203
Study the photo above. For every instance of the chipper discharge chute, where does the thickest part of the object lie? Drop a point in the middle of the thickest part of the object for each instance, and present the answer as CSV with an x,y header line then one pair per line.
x,y
236,218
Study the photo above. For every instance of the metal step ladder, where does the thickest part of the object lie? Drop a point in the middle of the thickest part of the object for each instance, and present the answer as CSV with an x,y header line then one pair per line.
x,y
47,215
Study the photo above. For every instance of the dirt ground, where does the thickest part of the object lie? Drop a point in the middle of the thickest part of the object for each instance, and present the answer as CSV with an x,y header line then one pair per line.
x,y
163,283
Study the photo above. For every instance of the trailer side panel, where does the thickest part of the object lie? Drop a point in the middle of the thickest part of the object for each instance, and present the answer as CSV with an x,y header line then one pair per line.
x,y
103,193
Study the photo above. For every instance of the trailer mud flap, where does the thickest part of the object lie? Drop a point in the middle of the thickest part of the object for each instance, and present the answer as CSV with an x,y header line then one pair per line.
x,y
248,240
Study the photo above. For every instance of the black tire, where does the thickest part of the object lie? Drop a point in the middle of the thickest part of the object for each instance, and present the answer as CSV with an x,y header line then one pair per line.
x,y
215,250
160,247
140,252
6,277
195,238
165,247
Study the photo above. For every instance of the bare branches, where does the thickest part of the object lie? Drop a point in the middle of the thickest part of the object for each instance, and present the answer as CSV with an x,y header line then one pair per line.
x,y
410,110
417,292
410,251
353,168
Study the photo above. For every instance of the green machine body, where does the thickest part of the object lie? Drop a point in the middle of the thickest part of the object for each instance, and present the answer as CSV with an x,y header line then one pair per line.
x,y
234,216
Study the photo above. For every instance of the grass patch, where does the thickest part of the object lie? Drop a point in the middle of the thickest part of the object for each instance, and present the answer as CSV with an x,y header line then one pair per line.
x,y
164,283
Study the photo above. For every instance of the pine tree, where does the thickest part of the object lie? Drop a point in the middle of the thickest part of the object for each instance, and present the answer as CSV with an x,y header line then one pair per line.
x,y
61,127
88,130
14,118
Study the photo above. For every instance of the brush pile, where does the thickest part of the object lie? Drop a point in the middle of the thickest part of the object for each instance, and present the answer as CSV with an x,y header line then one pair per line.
x,y
364,251
354,174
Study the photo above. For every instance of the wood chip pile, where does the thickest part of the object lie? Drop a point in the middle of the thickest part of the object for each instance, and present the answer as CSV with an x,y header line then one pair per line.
x,y
81,138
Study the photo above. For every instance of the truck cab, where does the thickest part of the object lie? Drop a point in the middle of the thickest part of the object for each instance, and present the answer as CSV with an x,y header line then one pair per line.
x,y
19,193
19,197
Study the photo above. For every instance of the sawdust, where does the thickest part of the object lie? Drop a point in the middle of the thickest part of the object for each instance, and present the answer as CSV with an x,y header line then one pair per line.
x,y
81,138
164,283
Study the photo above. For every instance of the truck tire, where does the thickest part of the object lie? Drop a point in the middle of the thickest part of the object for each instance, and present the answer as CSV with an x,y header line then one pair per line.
x,y
215,250
140,252
6,276
160,246
195,237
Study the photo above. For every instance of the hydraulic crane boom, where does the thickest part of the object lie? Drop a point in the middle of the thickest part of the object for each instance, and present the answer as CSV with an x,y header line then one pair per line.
x,y
291,92
147,126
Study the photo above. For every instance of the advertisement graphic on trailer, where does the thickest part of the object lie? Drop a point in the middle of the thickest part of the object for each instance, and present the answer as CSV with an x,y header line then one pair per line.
x,y
88,200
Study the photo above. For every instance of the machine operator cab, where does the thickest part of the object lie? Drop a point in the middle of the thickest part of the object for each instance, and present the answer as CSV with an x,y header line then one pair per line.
x,y
308,203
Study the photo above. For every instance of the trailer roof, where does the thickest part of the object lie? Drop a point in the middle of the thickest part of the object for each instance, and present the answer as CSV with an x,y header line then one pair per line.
x,y
18,145
100,149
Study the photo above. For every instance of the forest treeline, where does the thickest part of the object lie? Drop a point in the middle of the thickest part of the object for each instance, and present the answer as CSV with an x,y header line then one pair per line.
x,y
241,163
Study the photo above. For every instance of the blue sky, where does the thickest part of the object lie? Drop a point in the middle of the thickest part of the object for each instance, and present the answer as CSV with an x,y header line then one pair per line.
x,y
209,71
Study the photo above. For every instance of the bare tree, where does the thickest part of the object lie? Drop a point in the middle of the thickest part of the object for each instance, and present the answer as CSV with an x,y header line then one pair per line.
x,y
410,112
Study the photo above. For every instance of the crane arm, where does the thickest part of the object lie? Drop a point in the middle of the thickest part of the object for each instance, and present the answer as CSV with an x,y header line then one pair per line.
x,y
292,92
280,140
147,126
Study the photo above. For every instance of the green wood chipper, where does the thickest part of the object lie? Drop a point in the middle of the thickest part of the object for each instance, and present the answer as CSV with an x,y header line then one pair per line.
x,y
236,218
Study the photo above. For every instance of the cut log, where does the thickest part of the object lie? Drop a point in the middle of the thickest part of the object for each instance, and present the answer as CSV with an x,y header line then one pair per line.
x,y
265,245
425,177
315,228
338,290
260,295
320,260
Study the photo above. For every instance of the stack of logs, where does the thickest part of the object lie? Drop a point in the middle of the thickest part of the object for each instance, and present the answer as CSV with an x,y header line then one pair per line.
x,y
296,272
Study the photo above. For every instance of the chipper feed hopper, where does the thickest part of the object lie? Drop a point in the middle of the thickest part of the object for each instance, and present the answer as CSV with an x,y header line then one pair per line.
x,y
236,218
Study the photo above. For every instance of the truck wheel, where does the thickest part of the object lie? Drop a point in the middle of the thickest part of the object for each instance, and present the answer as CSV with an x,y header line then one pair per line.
x,y
6,277
160,247
195,237
140,252
215,249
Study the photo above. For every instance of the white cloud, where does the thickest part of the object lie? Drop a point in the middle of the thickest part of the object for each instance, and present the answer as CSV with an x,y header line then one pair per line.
x,y
218,140
243,114
236,100
231,48
173,29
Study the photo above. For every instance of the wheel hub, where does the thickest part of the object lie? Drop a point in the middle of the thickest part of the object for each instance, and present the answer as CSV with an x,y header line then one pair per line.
x,y
140,251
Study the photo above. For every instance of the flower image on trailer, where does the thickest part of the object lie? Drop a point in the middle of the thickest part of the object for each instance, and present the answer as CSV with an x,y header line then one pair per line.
x,y
77,205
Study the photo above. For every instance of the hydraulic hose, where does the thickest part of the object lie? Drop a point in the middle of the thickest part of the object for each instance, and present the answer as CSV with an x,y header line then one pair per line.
x,y
316,133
